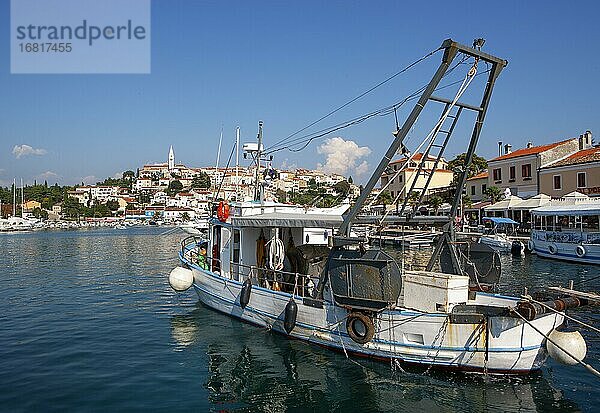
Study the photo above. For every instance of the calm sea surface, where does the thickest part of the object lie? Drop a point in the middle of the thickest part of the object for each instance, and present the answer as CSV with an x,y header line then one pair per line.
x,y
88,322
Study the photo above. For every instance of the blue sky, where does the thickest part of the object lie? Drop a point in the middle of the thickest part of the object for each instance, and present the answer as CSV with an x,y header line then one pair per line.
x,y
223,64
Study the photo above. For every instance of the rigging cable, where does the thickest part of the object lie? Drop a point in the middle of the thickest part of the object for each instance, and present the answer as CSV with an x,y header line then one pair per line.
x,y
282,141
307,139
223,179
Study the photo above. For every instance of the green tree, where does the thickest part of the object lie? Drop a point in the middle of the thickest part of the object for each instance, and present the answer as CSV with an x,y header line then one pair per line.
x,y
281,196
413,198
478,164
202,181
493,193
112,205
342,188
435,202
467,201
350,180
185,217
40,213
174,187
384,198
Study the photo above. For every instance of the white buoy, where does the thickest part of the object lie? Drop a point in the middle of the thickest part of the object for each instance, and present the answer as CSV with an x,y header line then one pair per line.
x,y
572,342
181,279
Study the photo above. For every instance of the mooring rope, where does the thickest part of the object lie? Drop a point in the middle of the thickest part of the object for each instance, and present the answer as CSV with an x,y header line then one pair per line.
x,y
583,363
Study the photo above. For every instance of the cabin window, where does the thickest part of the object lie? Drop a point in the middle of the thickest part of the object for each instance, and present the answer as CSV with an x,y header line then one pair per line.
x,y
497,174
400,179
526,171
413,165
483,188
512,173
236,254
557,182
581,180
392,193
590,223
472,189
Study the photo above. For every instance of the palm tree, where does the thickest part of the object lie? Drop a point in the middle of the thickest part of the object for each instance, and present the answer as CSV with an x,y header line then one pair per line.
x,y
435,202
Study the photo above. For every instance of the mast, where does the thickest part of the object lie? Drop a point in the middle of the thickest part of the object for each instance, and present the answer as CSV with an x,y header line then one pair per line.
x,y
237,164
218,158
257,186
14,214
22,197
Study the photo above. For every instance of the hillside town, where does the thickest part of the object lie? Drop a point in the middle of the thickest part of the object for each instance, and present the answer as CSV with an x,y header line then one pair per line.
x,y
508,185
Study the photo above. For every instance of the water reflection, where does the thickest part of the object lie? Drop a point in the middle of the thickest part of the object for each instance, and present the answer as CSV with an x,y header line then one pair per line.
x,y
250,369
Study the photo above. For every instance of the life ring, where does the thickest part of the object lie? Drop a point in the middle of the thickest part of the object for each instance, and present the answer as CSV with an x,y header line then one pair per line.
x,y
360,327
552,249
223,211
580,251
530,245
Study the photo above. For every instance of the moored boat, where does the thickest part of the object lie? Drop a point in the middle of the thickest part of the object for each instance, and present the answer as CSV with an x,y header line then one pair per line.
x,y
497,237
304,273
567,231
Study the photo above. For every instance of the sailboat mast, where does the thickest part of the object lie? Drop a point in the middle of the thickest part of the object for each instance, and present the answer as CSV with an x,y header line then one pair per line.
x,y
14,214
22,197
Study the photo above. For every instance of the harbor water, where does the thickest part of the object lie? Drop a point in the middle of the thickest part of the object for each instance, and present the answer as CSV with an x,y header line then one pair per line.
x,y
89,323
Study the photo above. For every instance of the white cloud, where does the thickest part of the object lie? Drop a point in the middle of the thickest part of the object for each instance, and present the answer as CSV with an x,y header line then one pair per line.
x,y
25,150
362,169
343,157
289,165
89,180
48,175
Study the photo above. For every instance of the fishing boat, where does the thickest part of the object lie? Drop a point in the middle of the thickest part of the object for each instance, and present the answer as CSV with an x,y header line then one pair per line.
x,y
568,231
304,273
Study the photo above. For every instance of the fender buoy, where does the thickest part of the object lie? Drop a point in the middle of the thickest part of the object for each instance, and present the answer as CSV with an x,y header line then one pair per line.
x,y
517,248
552,249
245,293
181,279
360,327
223,211
290,314
572,342
530,245
580,251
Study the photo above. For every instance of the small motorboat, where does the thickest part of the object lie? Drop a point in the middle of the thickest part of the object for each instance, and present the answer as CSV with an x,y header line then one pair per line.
x,y
497,236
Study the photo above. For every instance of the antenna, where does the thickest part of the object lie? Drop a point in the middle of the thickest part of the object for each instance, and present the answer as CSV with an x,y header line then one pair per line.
x,y
257,188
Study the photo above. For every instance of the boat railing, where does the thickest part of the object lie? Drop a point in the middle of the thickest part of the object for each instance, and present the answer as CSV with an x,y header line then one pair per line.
x,y
295,283
299,284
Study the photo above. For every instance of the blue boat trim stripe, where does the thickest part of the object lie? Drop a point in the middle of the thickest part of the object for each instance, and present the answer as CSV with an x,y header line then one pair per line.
x,y
316,328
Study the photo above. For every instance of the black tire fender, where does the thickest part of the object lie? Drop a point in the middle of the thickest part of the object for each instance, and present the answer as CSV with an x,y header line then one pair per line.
x,y
360,327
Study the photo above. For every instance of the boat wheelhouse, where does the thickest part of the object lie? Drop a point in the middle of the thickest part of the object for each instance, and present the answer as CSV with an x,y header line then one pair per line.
x,y
567,231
